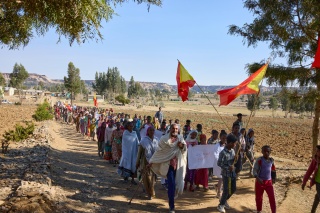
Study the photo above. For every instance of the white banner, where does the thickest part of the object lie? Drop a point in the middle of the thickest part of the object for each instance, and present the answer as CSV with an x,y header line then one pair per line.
x,y
200,156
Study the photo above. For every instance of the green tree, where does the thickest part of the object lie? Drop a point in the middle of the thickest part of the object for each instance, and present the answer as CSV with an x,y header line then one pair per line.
x,y
101,83
140,91
72,83
2,80
273,104
83,88
254,103
114,80
123,85
121,99
296,104
292,29
309,100
17,77
131,88
76,20
284,99
135,89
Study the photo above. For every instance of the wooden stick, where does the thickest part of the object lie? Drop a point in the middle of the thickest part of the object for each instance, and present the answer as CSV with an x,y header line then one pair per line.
x,y
213,106
135,192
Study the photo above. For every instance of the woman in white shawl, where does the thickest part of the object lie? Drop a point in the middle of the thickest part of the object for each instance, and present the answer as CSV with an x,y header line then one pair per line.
x,y
130,142
170,161
218,147
191,140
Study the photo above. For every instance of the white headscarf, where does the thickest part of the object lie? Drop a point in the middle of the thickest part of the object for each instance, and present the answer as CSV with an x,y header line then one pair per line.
x,y
189,139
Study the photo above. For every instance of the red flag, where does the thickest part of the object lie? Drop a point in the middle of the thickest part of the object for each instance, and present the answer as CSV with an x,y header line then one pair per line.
x,y
316,63
184,82
248,86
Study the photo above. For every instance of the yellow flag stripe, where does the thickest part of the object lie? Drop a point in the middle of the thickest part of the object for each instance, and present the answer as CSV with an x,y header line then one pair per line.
x,y
184,74
254,84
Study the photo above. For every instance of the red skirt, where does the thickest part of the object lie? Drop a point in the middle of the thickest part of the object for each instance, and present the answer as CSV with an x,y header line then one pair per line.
x,y
201,177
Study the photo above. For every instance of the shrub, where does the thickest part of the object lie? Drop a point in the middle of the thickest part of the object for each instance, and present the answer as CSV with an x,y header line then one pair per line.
x,y
20,132
122,99
43,112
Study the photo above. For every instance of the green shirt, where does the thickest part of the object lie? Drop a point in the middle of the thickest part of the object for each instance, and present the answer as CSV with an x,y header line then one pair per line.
x,y
318,175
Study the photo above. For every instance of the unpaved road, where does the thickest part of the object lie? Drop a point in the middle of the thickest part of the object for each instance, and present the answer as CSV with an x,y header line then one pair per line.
x,y
91,184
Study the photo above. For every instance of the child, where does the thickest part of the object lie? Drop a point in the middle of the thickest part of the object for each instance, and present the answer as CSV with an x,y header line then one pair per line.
x,y
218,147
201,176
315,172
225,162
186,129
213,140
236,132
265,173
214,137
191,140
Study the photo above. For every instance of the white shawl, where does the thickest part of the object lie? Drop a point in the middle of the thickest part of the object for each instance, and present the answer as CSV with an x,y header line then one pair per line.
x,y
167,151
130,144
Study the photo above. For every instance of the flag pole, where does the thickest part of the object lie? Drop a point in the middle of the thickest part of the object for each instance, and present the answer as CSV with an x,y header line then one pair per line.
x,y
255,101
213,106
254,104
257,95
237,154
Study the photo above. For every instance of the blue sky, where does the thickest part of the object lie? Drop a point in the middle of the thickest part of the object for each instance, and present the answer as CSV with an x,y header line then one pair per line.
x,y
146,45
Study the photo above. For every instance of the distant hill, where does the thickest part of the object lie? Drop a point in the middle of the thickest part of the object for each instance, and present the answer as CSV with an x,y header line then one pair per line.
x,y
34,79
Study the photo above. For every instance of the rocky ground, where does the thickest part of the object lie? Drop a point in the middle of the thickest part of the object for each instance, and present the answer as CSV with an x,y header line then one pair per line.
x,y
25,176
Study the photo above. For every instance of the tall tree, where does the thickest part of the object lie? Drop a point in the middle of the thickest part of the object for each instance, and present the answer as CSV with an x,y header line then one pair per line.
x,y
123,85
77,20
273,104
254,103
114,79
2,80
131,88
100,85
309,100
73,82
18,76
284,98
292,29
140,91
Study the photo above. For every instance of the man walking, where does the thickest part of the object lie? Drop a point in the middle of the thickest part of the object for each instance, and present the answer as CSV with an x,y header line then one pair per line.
x,y
170,161
159,115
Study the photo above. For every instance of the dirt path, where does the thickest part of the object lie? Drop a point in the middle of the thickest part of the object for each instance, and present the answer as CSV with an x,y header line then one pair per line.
x,y
92,185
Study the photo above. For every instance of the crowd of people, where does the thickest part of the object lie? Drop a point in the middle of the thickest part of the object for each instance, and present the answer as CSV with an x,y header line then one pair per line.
x,y
151,148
